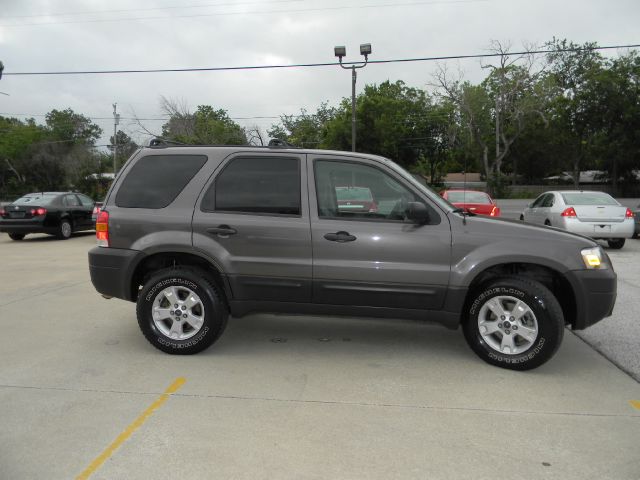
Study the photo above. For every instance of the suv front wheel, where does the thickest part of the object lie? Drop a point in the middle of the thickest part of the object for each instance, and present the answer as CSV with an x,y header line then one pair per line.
x,y
514,323
180,311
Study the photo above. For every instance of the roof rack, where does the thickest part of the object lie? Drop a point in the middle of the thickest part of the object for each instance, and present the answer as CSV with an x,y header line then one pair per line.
x,y
163,142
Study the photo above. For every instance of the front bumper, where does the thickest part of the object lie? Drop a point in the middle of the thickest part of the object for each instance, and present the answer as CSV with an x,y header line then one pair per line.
x,y
111,271
595,292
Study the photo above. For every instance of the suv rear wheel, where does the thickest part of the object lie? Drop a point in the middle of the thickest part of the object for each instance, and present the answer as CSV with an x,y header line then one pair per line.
x,y
514,323
180,311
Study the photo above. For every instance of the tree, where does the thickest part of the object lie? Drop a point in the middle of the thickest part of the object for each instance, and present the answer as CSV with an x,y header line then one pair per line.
x,y
305,129
206,126
125,147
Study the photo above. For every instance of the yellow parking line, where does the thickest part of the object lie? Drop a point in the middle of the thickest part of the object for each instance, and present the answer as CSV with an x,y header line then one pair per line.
x,y
137,423
635,403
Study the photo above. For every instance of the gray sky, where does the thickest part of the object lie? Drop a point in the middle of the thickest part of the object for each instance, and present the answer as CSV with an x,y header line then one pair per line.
x,y
41,35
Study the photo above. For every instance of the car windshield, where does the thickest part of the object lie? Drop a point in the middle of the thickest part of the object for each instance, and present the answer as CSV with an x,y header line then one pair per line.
x,y
588,198
38,200
354,193
468,197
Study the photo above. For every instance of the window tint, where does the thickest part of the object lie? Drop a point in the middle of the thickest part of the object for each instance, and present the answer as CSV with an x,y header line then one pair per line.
x,y
538,201
549,200
39,200
156,180
269,185
85,201
71,201
588,198
352,190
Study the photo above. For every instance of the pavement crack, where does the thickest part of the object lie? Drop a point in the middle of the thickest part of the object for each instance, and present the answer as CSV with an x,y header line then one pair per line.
x,y
331,402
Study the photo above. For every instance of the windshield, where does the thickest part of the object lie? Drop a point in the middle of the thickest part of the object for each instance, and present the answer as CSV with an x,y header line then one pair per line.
x,y
468,197
39,200
588,198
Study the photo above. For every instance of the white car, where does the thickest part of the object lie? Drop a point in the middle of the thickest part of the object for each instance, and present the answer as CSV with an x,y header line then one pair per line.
x,y
594,214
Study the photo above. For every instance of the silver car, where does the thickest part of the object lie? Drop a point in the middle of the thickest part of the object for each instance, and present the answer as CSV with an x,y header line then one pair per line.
x,y
594,214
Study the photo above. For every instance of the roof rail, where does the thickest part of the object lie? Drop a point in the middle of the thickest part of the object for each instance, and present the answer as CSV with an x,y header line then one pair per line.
x,y
163,142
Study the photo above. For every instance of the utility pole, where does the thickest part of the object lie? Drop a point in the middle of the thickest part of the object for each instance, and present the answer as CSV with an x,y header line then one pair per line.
x,y
116,121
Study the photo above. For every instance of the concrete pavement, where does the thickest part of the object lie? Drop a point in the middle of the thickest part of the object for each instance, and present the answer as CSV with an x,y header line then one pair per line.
x,y
282,397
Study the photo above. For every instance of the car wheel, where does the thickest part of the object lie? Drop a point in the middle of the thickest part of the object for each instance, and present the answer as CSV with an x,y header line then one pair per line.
x,y
514,323
64,229
16,236
522,218
547,223
180,311
616,244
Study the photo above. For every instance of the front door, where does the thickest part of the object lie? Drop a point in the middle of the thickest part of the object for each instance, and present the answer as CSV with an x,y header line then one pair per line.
x,y
365,251
254,223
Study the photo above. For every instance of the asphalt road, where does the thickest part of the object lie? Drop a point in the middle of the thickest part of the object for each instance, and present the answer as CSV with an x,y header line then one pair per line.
x,y
84,395
616,337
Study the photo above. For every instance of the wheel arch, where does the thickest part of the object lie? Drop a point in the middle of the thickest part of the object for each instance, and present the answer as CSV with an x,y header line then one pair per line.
x,y
167,259
548,276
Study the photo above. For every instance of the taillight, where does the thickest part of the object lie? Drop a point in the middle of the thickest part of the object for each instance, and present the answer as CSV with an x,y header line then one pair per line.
x,y
38,211
495,212
629,213
373,208
102,229
2,212
569,212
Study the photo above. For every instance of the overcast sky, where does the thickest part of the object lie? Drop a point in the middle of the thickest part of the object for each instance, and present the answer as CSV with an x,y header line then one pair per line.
x,y
40,36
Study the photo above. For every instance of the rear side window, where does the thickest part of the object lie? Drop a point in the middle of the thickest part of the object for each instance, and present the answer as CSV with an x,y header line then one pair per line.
x,y
156,180
267,185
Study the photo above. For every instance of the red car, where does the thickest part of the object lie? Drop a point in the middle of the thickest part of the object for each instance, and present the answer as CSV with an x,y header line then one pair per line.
x,y
355,199
473,201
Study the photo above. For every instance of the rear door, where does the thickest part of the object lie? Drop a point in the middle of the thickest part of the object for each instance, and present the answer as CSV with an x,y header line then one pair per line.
x,y
87,210
374,258
253,219
73,206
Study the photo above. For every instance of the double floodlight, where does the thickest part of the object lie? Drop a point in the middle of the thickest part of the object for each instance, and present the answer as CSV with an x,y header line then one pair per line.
x,y
341,51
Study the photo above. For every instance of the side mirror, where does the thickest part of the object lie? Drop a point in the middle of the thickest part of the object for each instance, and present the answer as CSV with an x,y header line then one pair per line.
x,y
418,213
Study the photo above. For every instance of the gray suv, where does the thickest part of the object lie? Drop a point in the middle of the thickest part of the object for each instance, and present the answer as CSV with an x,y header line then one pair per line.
x,y
194,234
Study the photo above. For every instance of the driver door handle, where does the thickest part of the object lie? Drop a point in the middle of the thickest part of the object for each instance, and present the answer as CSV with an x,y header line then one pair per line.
x,y
340,237
222,230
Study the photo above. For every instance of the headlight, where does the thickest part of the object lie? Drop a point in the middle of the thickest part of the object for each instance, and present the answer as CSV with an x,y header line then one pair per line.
x,y
594,258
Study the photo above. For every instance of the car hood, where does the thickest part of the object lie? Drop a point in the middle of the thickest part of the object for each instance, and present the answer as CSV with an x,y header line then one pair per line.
x,y
507,229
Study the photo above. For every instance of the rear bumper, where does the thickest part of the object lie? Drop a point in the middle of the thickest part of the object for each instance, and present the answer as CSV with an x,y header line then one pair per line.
x,y
26,226
111,270
595,292
602,229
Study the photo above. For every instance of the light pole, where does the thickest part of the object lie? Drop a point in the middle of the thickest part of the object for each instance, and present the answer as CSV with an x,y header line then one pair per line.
x,y
116,121
365,50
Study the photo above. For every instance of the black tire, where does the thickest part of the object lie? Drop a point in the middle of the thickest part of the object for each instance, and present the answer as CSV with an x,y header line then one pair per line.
x,y
616,244
547,223
522,218
540,301
16,236
64,229
213,310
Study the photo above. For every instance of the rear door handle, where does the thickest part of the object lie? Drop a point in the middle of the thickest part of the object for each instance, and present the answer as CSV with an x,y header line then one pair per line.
x,y
222,230
340,237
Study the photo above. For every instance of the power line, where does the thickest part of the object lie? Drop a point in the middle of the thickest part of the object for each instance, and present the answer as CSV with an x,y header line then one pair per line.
x,y
98,12
326,64
255,12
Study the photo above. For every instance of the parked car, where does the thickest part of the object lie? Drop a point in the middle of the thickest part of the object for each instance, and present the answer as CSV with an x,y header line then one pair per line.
x,y
473,201
194,234
55,213
594,214
636,217
355,199
97,207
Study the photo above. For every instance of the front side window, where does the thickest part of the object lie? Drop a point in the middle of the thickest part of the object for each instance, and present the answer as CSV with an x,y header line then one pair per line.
x,y
262,185
539,200
156,180
357,191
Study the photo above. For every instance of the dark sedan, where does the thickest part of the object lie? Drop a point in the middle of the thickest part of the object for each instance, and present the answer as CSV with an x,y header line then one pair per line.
x,y
55,213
